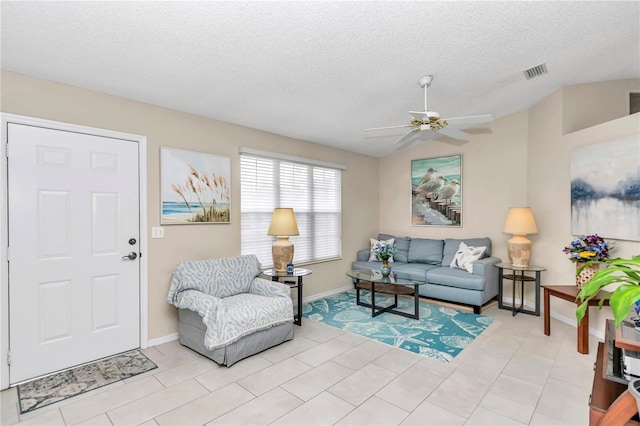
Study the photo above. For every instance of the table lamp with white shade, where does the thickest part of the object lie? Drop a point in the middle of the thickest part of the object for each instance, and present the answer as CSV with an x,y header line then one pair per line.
x,y
520,222
283,225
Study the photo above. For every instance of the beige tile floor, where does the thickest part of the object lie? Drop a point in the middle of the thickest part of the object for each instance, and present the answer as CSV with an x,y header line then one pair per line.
x,y
511,374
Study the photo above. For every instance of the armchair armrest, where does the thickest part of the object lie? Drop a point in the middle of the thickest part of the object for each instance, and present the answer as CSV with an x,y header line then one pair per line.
x,y
204,304
269,288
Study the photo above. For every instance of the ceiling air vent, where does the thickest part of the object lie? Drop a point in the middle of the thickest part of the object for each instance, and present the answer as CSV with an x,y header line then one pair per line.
x,y
536,71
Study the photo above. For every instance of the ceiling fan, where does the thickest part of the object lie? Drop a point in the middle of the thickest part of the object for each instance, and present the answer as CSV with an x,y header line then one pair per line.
x,y
431,120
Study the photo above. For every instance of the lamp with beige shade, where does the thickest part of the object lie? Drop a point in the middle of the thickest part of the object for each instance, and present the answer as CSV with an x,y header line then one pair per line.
x,y
520,222
283,225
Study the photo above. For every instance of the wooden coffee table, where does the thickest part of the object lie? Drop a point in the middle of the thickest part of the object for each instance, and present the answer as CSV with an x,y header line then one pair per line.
x,y
396,284
570,293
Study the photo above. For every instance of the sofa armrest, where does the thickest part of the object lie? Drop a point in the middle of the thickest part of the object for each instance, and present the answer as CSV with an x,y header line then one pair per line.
x,y
202,303
484,266
363,255
269,288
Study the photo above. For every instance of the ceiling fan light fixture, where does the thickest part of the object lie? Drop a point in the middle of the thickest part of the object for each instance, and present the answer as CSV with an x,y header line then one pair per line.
x,y
431,120
437,123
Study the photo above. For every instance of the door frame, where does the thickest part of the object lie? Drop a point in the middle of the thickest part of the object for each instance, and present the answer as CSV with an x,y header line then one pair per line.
x,y
6,118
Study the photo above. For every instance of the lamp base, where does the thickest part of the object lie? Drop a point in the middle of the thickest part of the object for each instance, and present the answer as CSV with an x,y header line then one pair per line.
x,y
282,252
519,249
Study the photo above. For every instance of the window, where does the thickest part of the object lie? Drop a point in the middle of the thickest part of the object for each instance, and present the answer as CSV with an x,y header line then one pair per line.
x,y
312,189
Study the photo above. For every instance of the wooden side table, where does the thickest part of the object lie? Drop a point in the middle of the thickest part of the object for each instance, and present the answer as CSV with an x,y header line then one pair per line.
x,y
293,280
570,293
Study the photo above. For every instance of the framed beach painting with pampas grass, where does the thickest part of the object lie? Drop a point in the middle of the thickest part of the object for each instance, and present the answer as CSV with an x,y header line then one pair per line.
x,y
195,187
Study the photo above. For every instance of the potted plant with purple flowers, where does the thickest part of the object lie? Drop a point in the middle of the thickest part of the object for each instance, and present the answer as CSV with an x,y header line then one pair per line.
x,y
592,249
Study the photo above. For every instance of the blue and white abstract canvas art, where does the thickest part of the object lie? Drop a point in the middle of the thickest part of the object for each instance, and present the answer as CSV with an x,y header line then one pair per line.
x,y
605,189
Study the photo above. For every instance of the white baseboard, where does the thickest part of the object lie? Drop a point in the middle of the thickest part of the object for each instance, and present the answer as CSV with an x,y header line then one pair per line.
x,y
174,336
164,339
569,321
326,293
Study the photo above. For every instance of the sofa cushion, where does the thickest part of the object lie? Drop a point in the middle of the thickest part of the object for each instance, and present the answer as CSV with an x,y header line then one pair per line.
x,y
373,257
413,271
425,250
466,255
402,247
451,247
455,278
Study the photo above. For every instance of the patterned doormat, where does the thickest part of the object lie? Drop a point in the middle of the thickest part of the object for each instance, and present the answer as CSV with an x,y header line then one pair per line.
x,y
47,390
441,333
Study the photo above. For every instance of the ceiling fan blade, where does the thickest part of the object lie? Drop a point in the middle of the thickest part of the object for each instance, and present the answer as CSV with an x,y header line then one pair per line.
x,y
407,136
423,137
472,119
453,133
390,127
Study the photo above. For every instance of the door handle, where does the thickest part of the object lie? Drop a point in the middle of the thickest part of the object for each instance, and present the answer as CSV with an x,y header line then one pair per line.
x,y
131,256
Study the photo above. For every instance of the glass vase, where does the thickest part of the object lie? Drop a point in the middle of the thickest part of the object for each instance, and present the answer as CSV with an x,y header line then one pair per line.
x,y
385,269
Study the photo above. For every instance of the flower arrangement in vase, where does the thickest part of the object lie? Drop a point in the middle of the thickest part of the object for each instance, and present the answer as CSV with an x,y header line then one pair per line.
x,y
383,252
591,249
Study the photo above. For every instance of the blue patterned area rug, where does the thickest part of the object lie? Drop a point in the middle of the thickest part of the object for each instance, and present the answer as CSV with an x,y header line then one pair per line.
x,y
47,390
441,333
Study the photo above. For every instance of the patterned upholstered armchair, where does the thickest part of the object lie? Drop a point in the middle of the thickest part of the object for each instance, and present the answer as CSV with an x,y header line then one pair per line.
x,y
226,311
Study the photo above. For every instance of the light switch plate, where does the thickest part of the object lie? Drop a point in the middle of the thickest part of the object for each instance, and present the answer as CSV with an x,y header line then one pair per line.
x,y
157,232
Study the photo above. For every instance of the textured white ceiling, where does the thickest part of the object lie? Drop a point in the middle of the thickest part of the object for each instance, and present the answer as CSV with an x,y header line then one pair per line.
x,y
323,71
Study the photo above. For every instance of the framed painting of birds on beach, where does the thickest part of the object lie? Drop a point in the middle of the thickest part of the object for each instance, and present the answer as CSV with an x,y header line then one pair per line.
x,y
436,191
195,187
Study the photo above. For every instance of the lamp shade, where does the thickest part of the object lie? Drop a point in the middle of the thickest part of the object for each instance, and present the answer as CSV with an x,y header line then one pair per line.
x,y
520,221
283,223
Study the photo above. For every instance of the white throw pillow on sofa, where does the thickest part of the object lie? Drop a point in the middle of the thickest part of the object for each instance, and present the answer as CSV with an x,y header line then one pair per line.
x,y
373,242
466,255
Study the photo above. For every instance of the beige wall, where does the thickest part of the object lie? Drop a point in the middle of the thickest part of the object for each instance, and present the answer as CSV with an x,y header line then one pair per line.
x,y
493,178
586,105
549,159
43,99
523,161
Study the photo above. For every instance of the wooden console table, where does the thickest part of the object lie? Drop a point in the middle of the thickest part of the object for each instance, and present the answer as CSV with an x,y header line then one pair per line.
x,y
570,293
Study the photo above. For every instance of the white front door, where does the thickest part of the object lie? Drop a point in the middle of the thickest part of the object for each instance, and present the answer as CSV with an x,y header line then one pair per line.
x,y
73,214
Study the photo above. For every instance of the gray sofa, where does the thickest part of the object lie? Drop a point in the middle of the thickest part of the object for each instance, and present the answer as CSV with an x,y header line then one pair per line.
x,y
429,259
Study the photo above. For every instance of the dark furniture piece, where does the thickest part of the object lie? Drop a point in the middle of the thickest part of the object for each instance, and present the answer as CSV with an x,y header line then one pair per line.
x,y
395,284
518,274
429,260
570,293
610,402
293,280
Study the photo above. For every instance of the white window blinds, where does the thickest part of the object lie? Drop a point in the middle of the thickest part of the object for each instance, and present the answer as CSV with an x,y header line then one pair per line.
x,y
312,190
